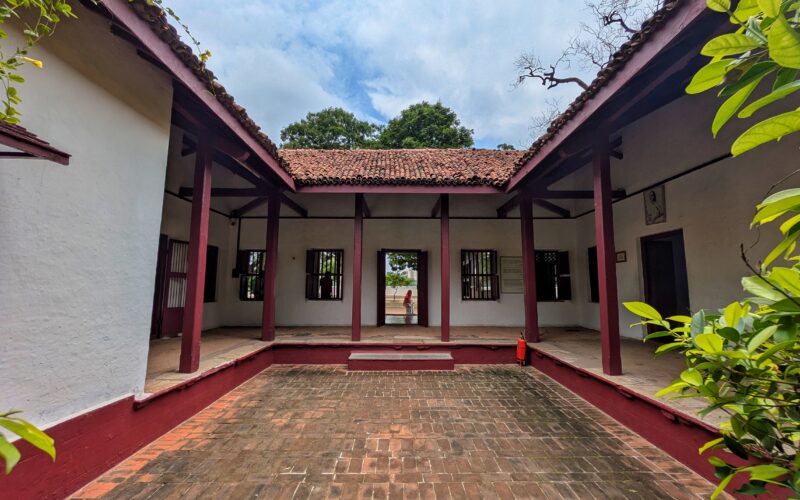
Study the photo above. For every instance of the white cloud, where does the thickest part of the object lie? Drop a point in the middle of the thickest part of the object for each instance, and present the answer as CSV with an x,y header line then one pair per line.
x,y
282,59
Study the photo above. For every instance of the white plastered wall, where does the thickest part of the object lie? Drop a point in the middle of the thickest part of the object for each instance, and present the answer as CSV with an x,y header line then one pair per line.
x,y
713,206
421,232
79,242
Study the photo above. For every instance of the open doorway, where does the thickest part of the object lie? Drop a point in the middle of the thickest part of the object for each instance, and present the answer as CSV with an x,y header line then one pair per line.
x,y
402,287
666,285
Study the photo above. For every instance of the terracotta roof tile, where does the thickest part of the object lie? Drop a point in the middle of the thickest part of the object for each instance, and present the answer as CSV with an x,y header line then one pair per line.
x,y
618,61
158,22
421,166
434,167
21,139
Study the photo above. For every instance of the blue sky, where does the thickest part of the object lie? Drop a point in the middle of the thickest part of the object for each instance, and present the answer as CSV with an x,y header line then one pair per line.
x,y
284,58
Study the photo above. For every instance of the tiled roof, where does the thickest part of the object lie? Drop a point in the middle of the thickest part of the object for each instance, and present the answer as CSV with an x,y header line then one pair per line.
x,y
618,61
433,167
155,17
21,139
462,167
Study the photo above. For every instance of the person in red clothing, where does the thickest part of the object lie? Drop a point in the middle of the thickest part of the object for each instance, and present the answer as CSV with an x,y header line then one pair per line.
x,y
409,305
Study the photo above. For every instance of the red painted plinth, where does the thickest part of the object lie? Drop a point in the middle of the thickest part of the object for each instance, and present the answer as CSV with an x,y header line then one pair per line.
x,y
382,361
674,432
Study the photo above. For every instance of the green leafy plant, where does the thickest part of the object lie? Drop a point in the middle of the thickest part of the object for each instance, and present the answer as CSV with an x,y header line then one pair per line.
x,y
745,361
764,47
47,14
203,55
27,432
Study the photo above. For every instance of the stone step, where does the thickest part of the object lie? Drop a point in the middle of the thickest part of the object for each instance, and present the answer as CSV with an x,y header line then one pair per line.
x,y
380,360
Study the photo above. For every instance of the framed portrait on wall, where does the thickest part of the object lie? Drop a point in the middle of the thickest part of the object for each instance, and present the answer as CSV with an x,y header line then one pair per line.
x,y
655,206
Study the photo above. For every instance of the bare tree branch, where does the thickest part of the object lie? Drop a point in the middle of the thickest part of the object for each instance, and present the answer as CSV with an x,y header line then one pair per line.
x,y
541,121
593,46
530,66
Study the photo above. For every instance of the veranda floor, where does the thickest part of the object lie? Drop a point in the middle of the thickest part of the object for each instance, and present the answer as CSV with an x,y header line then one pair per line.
x,y
643,373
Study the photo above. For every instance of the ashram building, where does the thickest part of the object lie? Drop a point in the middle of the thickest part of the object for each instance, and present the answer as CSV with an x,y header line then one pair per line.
x,y
159,249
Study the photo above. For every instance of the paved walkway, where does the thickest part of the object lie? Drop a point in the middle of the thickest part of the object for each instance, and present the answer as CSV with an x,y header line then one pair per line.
x,y
477,432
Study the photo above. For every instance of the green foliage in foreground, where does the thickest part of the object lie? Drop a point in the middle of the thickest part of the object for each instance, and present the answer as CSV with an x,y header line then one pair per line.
x,y
745,361
764,48
47,13
26,431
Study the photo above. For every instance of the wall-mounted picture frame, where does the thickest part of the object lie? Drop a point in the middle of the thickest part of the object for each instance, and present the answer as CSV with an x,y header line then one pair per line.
x,y
655,206
622,256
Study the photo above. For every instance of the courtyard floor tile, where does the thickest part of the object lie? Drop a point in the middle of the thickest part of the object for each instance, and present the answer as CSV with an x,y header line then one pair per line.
x,y
324,432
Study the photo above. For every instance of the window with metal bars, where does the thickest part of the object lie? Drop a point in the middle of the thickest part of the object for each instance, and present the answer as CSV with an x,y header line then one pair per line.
x,y
250,264
479,279
552,276
324,274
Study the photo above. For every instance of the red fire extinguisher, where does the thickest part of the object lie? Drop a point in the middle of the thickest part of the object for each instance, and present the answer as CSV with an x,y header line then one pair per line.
x,y
522,348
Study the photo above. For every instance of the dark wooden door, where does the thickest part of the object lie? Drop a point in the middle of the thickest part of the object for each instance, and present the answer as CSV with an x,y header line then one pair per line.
x,y
158,293
175,288
666,285
381,290
422,288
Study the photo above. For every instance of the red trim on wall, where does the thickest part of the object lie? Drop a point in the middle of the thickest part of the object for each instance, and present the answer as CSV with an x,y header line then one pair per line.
x,y
337,353
674,432
93,442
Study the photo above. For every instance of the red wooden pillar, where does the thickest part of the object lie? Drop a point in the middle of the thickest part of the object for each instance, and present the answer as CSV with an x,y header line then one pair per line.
x,y
196,259
528,268
606,258
445,263
358,236
271,266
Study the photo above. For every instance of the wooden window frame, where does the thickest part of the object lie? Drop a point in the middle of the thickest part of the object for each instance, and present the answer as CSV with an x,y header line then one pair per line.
x,y
468,275
243,265
314,273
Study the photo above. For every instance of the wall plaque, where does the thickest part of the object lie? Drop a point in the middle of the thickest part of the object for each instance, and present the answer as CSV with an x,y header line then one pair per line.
x,y
511,275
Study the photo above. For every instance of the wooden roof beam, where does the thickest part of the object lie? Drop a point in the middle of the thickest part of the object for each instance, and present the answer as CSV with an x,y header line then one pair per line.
x,y
508,206
573,194
249,206
436,207
365,212
222,192
556,209
294,205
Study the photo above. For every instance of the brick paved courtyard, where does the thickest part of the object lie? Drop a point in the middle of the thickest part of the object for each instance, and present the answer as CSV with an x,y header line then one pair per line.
x,y
477,432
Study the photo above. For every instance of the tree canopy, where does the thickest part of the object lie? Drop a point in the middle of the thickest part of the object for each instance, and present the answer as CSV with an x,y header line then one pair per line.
x,y
426,125
331,128
421,125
